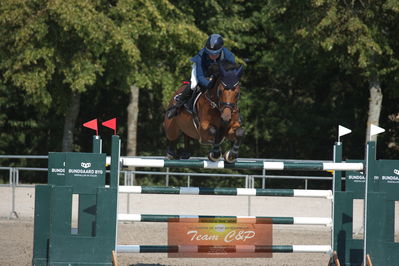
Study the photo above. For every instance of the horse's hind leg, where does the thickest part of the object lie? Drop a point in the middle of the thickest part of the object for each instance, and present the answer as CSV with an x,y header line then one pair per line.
x,y
172,132
185,153
232,155
171,152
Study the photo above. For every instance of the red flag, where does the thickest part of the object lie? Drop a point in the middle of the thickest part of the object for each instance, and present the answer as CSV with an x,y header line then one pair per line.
x,y
110,124
92,124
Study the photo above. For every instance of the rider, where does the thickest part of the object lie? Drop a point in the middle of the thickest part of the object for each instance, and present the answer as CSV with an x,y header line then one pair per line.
x,y
212,53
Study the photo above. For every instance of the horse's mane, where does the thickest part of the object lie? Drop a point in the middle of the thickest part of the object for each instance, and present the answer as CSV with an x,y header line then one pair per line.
x,y
227,65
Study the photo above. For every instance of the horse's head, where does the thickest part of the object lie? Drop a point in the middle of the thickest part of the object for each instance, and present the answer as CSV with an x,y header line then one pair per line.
x,y
228,90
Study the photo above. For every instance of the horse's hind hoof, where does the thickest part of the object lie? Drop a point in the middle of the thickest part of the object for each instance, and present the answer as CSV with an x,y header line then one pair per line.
x,y
172,156
214,156
229,157
183,154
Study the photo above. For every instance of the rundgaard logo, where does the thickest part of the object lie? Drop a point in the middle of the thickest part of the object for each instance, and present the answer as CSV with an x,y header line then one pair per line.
x,y
396,171
85,165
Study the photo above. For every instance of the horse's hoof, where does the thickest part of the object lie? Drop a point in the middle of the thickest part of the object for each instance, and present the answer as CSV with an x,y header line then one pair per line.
x,y
183,154
229,157
214,156
172,155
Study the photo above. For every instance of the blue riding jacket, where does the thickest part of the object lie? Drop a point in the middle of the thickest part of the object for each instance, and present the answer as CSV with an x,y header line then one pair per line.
x,y
202,63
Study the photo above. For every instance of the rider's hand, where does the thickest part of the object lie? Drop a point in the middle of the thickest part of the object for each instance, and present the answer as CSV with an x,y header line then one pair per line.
x,y
210,84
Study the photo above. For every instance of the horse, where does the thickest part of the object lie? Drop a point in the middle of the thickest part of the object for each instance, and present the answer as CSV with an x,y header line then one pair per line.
x,y
215,116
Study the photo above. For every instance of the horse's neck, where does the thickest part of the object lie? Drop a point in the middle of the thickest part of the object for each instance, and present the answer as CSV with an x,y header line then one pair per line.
x,y
210,97
213,93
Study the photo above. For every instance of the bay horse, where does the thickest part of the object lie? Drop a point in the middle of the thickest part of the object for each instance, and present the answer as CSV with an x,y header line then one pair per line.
x,y
215,117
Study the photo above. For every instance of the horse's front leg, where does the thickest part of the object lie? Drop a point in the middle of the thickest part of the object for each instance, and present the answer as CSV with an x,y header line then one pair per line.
x,y
237,134
215,154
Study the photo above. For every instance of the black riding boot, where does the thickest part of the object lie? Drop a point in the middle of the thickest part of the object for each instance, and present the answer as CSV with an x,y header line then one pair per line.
x,y
180,101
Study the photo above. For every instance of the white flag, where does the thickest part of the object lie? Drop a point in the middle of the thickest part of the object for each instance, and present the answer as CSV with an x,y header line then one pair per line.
x,y
343,131
374,130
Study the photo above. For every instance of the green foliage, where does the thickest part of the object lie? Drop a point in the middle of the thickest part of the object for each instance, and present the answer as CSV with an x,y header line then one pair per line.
x,y
52,48
308,65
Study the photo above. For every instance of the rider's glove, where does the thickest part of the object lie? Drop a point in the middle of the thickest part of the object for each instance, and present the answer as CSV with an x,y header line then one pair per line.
x,y
211,83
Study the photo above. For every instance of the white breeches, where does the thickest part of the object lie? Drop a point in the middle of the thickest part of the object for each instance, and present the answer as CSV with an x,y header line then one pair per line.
x,y
193,80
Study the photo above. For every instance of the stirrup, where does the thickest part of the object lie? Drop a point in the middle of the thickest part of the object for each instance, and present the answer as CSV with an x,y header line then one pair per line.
x,y
189,107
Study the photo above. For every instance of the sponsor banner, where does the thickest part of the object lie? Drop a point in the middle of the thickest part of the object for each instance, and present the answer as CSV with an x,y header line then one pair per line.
x,y
389,178
357,177
220,238
85,172
56,168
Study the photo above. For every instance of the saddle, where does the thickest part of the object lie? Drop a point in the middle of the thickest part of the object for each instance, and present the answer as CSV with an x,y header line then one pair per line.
x,y
190,104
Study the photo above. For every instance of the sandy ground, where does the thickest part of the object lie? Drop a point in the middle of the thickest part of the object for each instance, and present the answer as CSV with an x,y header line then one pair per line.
x,y
16,235
16,238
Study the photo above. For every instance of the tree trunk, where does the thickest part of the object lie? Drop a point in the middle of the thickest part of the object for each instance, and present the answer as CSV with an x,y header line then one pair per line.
x,y
132,118
70,120
375,104
392,144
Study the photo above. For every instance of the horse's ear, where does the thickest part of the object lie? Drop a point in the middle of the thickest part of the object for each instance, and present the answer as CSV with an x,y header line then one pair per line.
x,y
239,71
222,71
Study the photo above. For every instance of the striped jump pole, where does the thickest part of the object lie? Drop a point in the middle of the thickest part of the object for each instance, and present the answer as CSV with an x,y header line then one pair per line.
x,y
224,249
227,191
223,219
283,165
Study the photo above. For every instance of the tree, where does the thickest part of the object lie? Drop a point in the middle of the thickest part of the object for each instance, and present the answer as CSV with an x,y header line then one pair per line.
x,y
364,33
309,61
57,53
165,38
54,52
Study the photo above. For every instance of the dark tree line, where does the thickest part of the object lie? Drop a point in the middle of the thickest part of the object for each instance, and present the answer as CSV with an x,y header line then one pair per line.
x,y
309,66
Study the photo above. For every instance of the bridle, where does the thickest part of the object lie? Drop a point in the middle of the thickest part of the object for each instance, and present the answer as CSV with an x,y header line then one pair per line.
x,y
220,104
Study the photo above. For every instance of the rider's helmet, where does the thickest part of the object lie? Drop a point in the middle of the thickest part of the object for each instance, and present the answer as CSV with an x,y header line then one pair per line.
x,y
214,44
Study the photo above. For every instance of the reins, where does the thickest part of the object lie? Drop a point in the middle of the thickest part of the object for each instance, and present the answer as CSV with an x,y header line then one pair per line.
x,y
212,103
